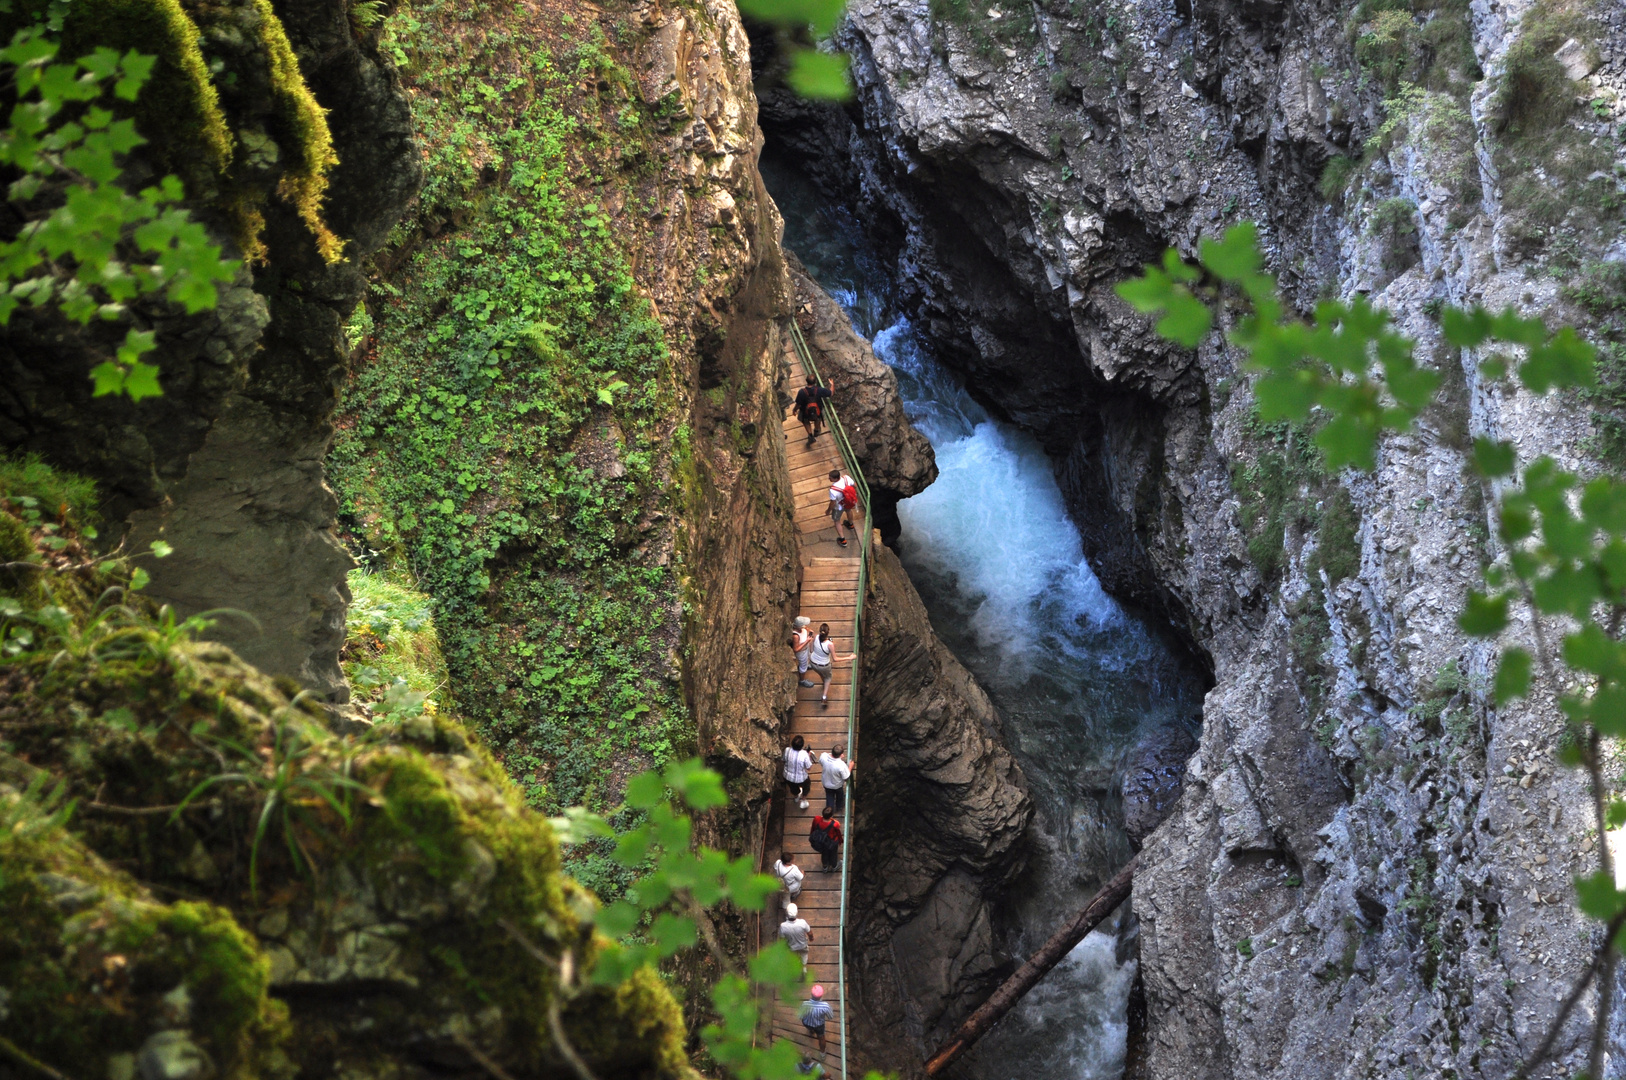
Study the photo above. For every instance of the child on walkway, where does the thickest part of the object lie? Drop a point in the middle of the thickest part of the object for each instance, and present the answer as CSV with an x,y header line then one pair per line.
x,y
843,498
821,655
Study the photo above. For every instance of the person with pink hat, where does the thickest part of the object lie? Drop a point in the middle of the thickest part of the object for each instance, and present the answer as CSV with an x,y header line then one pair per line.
x,y
816,1012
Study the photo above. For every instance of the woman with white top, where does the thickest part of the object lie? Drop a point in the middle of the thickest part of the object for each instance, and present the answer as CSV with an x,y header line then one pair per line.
x,y
797,764
821,655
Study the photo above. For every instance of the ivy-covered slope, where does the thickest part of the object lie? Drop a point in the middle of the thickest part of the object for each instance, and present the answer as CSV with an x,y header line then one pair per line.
x,y
566,373
200,879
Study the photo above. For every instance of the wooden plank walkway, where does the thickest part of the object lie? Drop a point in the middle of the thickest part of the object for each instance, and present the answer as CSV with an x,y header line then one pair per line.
x,y
830,575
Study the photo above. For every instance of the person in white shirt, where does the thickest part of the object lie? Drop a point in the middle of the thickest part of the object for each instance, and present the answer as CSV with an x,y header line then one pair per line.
x,y
798,762
796,933
800,640
833,774
786,870
822,656
843,499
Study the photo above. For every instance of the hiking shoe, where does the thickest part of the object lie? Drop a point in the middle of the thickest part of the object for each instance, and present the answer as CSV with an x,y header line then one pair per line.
x,y
807,682
801,804
842,540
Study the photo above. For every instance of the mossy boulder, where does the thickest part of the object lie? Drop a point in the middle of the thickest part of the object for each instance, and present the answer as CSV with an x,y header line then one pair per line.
x,y
104,980
387,887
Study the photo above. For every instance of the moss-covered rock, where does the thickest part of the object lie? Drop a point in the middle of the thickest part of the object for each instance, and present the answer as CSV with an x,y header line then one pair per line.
x,y
387,887
104,979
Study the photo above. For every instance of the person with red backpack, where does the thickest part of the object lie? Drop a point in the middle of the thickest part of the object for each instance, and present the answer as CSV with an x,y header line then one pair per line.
x,y
843,499
809,407
825,836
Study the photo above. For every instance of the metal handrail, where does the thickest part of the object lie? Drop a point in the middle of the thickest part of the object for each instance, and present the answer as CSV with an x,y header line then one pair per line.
x,y
850,460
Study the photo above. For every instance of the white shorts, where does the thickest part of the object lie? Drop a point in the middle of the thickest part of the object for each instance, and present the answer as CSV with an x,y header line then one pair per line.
x,y
801,662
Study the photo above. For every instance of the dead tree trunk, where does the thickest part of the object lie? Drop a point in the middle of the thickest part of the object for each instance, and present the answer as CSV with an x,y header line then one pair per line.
x,y
1010,992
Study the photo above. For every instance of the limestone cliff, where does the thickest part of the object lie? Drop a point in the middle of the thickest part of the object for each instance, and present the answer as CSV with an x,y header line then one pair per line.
x,y
1367,873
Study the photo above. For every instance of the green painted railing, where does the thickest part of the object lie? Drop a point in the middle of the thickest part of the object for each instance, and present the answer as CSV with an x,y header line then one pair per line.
x,y
850,460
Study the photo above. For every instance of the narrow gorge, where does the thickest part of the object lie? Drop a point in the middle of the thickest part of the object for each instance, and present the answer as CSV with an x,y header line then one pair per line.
x,y
400,535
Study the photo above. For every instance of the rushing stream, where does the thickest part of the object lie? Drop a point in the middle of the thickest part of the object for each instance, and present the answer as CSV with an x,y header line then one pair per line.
x,y
1078,680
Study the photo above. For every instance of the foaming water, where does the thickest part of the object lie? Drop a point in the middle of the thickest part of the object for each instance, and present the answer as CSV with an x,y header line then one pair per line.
x,y
1078,680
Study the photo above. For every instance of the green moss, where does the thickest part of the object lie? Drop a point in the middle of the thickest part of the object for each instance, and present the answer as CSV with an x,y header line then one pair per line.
x,y
410,832
93,965
67,498
305,183
1547,162
179,108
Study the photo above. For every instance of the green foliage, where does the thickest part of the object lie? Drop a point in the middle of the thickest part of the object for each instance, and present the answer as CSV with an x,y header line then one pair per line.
x,y
662,914
1335,177
1277,489
477,447
1600,291
391,651
1386,46
69,499
813,73
82,228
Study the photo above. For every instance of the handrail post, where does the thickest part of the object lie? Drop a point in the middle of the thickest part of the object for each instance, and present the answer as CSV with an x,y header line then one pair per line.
x,y
850,460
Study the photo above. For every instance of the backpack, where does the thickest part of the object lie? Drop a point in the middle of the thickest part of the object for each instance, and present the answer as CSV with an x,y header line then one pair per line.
x,y
849,496
823,840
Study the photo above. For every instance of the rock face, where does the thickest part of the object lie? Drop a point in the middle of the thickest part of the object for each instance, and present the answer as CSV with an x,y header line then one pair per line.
x,y
227,466
1366,873
938,833
898,461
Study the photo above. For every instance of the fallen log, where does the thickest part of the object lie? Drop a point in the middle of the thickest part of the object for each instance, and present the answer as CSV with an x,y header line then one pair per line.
x,y
1010,992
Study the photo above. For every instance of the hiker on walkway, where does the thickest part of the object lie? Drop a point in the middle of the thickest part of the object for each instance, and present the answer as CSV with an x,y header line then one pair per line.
x,y
809,407
801,637
821,655
798,762
816,1012
789,875
833,774
843,498
825,836
809,1068
796,933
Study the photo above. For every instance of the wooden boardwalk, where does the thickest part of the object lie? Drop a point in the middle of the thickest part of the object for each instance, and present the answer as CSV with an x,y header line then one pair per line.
x,y
829,594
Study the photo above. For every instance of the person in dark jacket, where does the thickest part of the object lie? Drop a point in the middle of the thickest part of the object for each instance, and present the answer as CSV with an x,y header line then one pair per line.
x,y
809,407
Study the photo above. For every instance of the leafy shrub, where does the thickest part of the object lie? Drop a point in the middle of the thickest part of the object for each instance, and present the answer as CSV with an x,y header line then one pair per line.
x,y
391,645
1335,177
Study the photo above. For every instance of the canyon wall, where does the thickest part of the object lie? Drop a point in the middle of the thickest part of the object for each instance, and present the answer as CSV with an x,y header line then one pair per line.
x,y
1368,871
